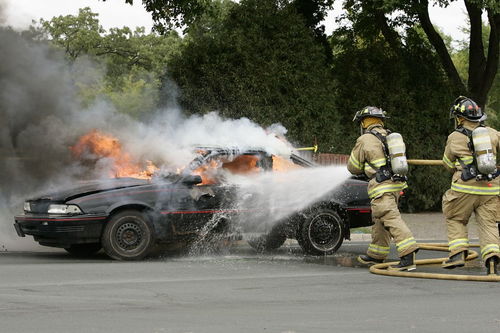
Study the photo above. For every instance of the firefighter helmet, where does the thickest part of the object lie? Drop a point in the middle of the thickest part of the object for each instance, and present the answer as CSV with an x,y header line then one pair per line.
x,y
369,111
468,109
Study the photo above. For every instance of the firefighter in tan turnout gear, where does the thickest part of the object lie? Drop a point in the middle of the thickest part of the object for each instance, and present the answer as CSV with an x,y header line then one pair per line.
x,y
470,154
380,155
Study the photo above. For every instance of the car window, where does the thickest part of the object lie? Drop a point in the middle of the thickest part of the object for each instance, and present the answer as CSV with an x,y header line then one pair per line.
x,y
214,169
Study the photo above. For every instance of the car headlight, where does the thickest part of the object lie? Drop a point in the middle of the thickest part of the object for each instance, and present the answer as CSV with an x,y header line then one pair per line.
x,y
27,206
64,209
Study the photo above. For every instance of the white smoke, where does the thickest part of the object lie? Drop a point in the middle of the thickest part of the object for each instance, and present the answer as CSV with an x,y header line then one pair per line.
x,y
170,137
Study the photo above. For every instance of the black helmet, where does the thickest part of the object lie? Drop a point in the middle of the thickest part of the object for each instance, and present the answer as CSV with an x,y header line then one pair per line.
x,y
468,109
369,111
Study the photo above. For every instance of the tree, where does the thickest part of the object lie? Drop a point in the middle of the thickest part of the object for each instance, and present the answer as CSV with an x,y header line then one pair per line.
x,y
169,14
259,60
127,65
122,48
461,60
386,15
182,14
75,34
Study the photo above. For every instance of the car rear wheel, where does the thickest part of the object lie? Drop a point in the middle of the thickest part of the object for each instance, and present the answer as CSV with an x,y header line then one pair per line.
x,y
128,236
322,232
83,250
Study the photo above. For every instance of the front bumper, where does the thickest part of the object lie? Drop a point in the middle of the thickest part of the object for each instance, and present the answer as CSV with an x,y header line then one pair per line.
x,y
61,231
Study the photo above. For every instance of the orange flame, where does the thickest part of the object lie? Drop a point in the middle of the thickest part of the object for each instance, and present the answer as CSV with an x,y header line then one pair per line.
x,y
208,172
282,165
96,145
241,165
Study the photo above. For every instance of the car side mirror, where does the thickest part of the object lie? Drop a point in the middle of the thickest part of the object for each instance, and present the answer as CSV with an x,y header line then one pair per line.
x,y
191,180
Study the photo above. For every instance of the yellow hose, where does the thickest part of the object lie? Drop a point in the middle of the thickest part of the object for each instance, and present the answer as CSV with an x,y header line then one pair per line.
x,y
381,269
425,162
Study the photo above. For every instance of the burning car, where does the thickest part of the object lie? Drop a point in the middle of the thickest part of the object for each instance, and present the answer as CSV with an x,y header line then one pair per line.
x,y
129,217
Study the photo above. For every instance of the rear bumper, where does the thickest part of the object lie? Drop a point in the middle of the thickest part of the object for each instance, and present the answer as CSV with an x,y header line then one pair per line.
x,y
61,231
359,217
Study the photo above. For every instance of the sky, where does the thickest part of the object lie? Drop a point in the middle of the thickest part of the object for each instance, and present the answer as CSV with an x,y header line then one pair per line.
x,y
115,13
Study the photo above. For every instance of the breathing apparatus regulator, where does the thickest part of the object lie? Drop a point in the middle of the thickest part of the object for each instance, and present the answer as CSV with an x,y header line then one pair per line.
x,y
396,167
483,166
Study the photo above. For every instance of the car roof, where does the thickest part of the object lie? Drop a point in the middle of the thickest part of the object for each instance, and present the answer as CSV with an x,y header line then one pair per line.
x,y
212,151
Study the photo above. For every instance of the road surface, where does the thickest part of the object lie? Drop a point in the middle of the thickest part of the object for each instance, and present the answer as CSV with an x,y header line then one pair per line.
x,y
235,291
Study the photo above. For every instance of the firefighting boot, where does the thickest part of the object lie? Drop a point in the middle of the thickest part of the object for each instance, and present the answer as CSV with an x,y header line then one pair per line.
x,y
456,260
406,263
367,260
492,266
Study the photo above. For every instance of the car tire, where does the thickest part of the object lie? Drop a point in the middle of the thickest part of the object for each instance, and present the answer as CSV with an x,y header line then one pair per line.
x,y
129,235
83,250
268,242
322,232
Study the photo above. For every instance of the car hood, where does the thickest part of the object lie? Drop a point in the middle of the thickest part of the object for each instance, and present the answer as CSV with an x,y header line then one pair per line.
x,y
82,188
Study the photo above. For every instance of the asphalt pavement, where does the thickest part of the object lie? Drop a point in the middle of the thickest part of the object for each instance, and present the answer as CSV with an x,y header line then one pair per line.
x,y
236,290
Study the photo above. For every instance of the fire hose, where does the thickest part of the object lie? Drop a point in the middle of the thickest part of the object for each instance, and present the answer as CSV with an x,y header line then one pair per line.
x,y
381,269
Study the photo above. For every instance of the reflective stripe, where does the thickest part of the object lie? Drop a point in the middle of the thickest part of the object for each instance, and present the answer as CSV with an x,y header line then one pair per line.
x,y
379,162
355,166
375,192
465,160
494,190
368,167
460,242
448,162
378,249
355,162
406,243
490,248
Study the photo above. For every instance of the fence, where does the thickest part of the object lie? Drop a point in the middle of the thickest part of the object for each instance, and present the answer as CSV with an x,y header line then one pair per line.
x,y
330,159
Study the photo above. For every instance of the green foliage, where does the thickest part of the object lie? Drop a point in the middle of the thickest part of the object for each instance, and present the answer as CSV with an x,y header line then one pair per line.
x,y
259,60
387,15
126,65
170,14
461,60
75,34
135,96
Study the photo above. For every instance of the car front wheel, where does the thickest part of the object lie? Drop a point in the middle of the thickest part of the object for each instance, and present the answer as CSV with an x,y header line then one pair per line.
x,y
128,236
322,232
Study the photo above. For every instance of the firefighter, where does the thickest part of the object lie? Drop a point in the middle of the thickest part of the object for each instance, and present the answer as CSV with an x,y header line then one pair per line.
x,y
374,156
470,154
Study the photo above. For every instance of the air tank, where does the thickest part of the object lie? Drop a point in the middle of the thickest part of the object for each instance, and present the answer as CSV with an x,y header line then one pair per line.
x,y
397,153
486,160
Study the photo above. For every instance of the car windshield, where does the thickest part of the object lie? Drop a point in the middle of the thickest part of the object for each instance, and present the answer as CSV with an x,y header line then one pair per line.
x,y
213,166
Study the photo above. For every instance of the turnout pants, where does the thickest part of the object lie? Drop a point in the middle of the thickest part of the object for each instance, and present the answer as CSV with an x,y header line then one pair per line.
x,y
458,208
388,223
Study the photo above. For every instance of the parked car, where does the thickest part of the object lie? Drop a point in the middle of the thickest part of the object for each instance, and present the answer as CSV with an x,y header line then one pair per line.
x,y
128,217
